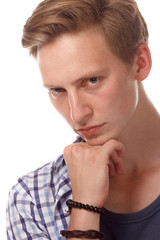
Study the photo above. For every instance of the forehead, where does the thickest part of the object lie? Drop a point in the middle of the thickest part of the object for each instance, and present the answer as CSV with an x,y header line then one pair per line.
x,y
89,39
75,54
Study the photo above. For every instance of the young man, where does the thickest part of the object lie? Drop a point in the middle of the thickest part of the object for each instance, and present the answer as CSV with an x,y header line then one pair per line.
x,y
93,57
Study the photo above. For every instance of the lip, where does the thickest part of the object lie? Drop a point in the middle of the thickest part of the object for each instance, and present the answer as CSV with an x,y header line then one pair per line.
x,y
90,130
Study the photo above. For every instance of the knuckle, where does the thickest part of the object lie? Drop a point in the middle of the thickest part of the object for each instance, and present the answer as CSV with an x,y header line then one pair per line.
x,y
116,144
72,149
75,149
66,151
113,141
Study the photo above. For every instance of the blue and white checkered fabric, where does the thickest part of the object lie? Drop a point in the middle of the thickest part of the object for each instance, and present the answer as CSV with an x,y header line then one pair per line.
x,y
37,203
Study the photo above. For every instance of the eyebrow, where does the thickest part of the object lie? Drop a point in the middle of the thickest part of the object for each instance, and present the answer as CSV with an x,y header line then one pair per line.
x,y
86,76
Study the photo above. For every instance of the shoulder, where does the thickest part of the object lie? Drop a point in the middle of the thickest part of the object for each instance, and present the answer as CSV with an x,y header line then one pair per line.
x,y
32,201
51,175
40,197
43,177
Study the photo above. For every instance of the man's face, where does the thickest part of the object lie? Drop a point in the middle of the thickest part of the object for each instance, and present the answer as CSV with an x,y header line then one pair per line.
x,y
88,85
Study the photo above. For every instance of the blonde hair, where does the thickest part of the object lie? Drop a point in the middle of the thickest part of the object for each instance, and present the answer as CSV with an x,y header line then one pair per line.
x,y
121,21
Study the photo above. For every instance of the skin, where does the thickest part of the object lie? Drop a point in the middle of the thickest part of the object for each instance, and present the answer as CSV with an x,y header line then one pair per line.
x,y
110,100
90,86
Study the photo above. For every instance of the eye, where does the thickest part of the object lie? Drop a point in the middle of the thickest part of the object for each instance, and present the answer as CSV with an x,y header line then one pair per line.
x,y
91,82
56,91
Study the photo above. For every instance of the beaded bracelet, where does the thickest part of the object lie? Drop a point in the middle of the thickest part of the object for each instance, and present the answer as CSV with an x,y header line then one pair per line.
x,y
72,204
92,234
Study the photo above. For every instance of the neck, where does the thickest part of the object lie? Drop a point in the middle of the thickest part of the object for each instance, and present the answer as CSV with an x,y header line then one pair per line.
x,y
142,136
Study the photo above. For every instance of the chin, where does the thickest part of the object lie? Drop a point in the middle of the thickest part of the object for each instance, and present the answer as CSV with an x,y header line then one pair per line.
x,y
98,141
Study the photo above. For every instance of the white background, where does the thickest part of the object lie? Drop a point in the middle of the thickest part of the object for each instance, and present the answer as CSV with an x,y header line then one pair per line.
x,y
31,132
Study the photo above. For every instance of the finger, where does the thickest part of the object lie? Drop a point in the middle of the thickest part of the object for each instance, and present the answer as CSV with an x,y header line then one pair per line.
x,y
112,170
66,151
68,148
121,153
118,163
111,146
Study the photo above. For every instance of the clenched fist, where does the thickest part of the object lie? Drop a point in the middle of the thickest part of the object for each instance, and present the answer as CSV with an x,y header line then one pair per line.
x,y
89,168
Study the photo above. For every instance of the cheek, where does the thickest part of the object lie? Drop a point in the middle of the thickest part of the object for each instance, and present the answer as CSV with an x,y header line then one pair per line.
x,y
118,99
129,99
126,105
107,99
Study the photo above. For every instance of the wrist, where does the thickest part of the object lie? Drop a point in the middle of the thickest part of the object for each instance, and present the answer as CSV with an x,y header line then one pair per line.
x,y
97,201
84,220
73,204
89,234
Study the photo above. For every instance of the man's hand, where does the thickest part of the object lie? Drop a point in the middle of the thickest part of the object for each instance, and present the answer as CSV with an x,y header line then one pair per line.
x,y
89,168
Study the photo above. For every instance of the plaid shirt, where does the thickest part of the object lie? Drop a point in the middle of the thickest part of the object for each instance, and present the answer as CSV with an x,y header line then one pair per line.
x,y
37,203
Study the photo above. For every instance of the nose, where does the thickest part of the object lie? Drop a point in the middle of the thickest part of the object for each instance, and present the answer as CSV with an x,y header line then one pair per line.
x,y
80,108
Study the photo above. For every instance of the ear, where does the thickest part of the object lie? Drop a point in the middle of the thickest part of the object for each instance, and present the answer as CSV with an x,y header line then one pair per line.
x,y
143,62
